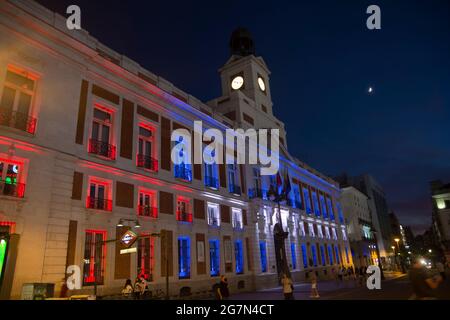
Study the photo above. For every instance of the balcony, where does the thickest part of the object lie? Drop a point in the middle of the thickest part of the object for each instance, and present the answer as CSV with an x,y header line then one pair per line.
x,y
257,194
99,204
146,211
102,149
147,163
16,190
212,182
183,173
234,189
184,216
17,120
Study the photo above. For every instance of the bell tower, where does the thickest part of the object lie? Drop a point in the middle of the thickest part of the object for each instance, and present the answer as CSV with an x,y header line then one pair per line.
x,y
246,72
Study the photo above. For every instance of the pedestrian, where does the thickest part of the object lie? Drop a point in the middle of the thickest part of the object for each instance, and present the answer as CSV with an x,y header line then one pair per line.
x,y
224,292
288,287
138,288
422,283
144,288
127,289
314,291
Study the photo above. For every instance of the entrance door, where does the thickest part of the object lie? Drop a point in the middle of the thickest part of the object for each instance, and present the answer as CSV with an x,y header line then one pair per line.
x,y
4,244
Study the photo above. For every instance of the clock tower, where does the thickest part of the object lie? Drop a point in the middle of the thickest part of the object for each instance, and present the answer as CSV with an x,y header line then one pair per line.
x,y
245,72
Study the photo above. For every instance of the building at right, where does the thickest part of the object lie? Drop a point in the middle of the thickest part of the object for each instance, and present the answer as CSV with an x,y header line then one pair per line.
x,y
440,195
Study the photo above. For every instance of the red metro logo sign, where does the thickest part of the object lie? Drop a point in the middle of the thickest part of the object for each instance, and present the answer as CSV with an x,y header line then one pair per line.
x,y
129,238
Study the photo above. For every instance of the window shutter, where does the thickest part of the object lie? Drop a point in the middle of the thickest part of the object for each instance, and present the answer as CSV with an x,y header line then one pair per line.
x,y
166,252
124,195
199,209
127,129
243,182
122,263
201,265
105,94
77,187
71,243
249,254
165,202
165,144
79,137
244,217
225,213
147,114
226,242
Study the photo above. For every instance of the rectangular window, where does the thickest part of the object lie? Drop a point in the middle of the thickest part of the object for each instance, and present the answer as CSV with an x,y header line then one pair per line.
x,y
98,198
182,170
307,201
101,136
183,210
184,257
319,231
214,258
146,257
316,204
304,256
16,102
324,207
233,178
333,232
146,158
314,255
211,180
327,233
311,230
344,234
94,257
302,229
239,256
293,256
213,215
10,178
330,254
322,254
330,209
336,249
263,254
237,219
340,213
256,192
297,199
147,204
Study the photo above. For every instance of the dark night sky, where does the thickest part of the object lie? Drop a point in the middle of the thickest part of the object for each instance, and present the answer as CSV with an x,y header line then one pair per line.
x,y
323,59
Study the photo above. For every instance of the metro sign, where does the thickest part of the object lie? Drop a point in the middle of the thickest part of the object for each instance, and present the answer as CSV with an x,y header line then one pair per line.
x,y
129,238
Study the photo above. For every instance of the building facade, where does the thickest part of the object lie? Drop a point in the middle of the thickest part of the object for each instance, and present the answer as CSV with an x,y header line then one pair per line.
x,y
86,156
440,196
359,225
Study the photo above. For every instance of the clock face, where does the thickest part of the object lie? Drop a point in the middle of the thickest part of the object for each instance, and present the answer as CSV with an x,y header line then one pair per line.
x,y
262,84
237,83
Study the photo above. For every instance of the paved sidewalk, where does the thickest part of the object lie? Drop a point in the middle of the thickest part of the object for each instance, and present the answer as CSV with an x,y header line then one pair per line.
x,y
330,289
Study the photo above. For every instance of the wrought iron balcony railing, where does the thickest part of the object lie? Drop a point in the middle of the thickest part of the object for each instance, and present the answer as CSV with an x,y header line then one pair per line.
x,y
146,211
103,149
147,162
16,190
211,182
234,189
184,216
182,172
99,204
17,120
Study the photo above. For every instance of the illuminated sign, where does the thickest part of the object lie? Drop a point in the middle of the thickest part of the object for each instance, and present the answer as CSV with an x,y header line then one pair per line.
x,y
130,250
129,238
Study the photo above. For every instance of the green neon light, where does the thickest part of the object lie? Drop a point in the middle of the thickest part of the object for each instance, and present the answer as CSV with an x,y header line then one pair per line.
x,y
3,245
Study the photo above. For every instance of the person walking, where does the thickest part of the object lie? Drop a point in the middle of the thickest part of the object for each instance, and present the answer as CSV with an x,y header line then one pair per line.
x,y
422,283
288,287
224,292
138,288
314,291
127,289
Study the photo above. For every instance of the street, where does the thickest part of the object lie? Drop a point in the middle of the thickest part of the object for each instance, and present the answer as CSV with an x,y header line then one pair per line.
x,y
396,287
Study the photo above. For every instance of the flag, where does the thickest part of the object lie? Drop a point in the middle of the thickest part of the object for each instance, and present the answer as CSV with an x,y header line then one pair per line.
x,y
287,184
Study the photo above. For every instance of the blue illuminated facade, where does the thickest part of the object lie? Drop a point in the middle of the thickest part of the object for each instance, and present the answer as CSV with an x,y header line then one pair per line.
x,y
214,258
263,255
184,257
239,256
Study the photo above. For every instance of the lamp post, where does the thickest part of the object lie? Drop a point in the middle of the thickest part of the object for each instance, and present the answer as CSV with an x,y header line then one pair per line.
x,y
378,254
276,197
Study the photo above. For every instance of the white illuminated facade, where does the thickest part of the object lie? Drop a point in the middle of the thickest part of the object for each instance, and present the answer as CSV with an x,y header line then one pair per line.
x,y
85,156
